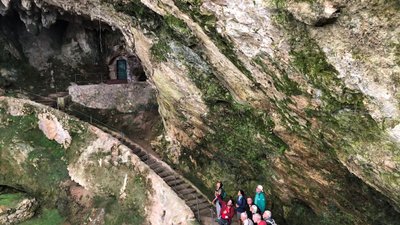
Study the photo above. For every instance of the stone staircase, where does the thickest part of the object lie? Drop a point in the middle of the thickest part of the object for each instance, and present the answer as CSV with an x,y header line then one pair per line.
x,y
202,208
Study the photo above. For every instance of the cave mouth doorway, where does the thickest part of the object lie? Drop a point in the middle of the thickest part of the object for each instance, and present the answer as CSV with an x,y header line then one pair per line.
x,y
47,57
122,73
125,67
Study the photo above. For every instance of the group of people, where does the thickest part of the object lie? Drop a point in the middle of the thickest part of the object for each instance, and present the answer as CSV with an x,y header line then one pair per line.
x,y
248,212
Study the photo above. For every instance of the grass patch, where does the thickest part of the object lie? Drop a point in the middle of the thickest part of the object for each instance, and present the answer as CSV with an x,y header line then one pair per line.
x,y
47,217
11,200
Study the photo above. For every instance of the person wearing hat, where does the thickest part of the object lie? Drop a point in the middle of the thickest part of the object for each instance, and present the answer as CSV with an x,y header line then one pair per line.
x,y
260,199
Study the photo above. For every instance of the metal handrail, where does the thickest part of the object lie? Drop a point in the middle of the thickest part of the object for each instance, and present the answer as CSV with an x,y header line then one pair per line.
x,y
101,124
211,213
100,75
197,206
89,116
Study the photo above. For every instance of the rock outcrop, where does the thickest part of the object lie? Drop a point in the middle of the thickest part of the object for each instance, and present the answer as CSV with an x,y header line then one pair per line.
x,y
94,178
301,96
122,97
24,210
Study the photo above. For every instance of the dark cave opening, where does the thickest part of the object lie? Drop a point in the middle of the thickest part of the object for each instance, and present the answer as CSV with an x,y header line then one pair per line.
x,y
45,55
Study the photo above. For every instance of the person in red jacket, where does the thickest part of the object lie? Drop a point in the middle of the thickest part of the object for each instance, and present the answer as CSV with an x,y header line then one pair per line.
x,y
258,220
227,211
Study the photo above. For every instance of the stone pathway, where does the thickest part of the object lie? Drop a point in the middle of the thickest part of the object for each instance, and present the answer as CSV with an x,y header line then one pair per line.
x,y
200,205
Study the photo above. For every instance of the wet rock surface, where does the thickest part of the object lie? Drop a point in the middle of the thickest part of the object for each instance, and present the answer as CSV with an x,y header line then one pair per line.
x,y
299,95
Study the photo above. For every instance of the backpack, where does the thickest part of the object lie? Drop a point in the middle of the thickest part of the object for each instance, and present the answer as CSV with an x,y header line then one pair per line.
x,y
271,222
223,193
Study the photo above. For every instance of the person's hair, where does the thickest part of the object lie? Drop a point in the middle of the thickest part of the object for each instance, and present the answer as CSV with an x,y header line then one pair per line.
x,y
242,192
268,213
244,215
230,199
256,216
220,184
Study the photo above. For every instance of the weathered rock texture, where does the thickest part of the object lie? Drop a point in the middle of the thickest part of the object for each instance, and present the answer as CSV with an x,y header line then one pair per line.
x,y
301,96
93,172
24,210
122,97
54,130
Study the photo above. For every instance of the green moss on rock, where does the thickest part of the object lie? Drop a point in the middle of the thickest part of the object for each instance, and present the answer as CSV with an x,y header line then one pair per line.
x,y
10,200
208,23
44,160
46,217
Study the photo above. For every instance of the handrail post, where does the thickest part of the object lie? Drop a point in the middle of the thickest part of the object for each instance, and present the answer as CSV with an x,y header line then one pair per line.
x,y
197,206
212,214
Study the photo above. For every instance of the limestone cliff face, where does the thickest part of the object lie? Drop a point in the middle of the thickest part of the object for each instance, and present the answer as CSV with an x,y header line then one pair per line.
x,y
92,180
301,96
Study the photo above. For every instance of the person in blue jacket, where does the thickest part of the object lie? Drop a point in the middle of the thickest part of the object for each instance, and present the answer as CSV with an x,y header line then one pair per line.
x,y
260,199
240,204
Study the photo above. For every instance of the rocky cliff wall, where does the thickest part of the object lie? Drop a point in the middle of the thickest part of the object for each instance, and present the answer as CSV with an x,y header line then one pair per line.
x,y
301,96
92,178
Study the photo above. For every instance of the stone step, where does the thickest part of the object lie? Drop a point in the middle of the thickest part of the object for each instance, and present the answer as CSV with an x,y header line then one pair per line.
x,y
194,201
207,212
159,169
156,165
200,206
141,153
136,150
191,196
175,182
151,161
145,157
181,186
166,173
170,179
188,191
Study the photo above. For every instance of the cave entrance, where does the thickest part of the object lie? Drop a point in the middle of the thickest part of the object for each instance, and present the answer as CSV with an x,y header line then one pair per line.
x,y
122,73
46,55
125,68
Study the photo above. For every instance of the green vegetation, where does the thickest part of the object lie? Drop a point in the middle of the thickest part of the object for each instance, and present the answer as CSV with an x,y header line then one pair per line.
x,y
241,134
129,210
47,217
160,50
283,84
344,125
39,166
208,23
44,158
120,212
167,28
301,214
11,200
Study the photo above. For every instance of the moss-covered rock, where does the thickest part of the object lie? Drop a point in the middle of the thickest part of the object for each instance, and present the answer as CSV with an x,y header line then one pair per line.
x,y
94,178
